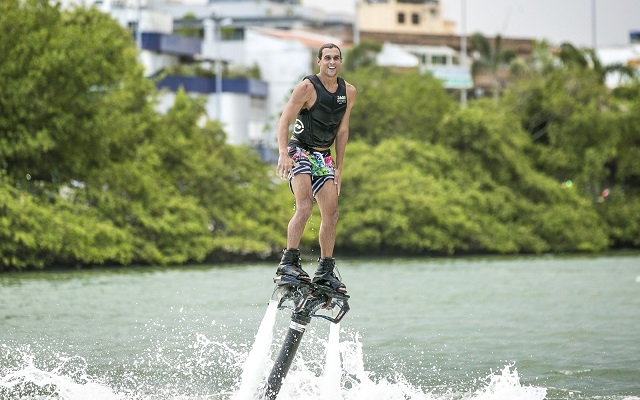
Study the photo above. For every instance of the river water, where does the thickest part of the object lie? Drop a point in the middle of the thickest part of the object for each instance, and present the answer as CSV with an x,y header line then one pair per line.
x,y
488,328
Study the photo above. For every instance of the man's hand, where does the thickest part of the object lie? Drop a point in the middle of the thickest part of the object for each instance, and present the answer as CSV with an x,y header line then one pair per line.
x,y
285,166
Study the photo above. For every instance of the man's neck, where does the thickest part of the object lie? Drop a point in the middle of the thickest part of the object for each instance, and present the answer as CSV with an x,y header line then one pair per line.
x,y
328,81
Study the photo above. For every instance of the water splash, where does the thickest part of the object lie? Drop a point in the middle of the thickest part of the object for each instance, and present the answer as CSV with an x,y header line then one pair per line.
x,y
332,368
506,385
21,378
194,366
255,365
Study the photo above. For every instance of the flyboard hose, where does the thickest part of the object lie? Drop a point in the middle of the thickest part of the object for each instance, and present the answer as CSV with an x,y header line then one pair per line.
x,y
306,301
285,358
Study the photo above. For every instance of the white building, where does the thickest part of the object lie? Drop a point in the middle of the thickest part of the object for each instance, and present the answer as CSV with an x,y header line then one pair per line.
x,y
440,61
628,55
403,16
248,109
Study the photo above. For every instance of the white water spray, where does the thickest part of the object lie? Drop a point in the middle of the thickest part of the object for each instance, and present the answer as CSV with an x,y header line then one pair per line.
x,y
506,385
41,372
31,382
344,377
254,367
330,389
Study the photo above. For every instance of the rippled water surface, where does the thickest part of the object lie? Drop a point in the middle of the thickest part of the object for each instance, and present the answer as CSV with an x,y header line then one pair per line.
x,y
453,328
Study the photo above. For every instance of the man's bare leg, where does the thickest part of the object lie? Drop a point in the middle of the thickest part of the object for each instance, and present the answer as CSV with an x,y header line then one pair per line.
x,y
290,264
301,185
327,198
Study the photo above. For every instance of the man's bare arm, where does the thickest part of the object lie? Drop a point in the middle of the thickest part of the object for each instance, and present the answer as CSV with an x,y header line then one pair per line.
x,y
299,99
343,136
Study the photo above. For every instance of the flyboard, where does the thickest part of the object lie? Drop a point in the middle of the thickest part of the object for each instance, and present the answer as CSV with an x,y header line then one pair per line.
x,y
305,300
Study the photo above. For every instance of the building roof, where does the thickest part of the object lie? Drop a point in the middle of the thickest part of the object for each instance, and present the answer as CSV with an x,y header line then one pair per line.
x,y
393,55
309,39
521,46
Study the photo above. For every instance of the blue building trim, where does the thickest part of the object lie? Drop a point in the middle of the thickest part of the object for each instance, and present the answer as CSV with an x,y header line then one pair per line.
x,y
171,44
151,41
181,45
251,86
196,84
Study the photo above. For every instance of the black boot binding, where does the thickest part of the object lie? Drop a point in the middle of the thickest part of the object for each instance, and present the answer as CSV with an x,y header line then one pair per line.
x,y
326,277
290,268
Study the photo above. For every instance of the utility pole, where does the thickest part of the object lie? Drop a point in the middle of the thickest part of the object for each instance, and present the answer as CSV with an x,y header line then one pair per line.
x,y
213,39
218,69
593,25
139,27
463,47
356,25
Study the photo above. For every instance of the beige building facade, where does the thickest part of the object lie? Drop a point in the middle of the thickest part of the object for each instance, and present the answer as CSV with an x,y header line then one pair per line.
x,y
403,16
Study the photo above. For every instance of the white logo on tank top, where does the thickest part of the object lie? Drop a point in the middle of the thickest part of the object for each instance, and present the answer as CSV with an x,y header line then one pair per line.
x,y
298,127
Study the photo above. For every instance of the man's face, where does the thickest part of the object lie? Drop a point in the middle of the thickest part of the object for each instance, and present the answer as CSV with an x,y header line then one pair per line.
x,y
330,62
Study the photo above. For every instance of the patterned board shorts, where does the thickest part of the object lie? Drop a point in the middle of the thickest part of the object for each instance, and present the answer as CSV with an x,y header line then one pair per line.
x,y
318,164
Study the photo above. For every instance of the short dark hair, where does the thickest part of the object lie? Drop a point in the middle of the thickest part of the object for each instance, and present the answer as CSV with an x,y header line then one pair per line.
x,y
328,46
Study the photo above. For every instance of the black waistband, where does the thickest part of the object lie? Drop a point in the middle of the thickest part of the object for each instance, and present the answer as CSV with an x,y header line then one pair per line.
x,y
294,143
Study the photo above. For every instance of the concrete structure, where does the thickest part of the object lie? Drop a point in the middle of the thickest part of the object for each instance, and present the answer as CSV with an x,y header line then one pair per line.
x,y
403,16
239,104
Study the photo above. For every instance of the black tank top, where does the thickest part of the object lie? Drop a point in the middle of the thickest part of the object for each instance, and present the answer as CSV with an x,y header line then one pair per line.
x,y
318,126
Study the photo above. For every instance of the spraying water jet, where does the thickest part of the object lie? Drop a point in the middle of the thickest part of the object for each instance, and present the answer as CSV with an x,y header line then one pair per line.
x,y
305,300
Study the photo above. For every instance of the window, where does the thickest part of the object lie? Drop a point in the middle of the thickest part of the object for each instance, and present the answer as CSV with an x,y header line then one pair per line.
x,y
415,19
401,18
438,60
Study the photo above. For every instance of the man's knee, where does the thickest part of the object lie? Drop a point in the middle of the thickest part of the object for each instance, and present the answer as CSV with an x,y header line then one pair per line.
x,y
331,216
304,207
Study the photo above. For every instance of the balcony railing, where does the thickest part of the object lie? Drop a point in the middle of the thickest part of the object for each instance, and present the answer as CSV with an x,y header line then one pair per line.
x,y
203,85
171,44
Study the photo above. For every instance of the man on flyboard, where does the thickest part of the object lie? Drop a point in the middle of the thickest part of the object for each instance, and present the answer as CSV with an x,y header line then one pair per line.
x,y
320,105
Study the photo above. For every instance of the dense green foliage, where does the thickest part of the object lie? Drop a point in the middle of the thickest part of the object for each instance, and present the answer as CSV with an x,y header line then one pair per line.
x,y
392,105
469,189
92,174
586,134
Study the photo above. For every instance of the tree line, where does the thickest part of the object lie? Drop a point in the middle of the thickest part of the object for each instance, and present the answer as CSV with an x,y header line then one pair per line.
x,y
91,174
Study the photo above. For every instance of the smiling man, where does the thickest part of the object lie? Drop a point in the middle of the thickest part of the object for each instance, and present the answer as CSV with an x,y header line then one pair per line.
x,y
320,105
